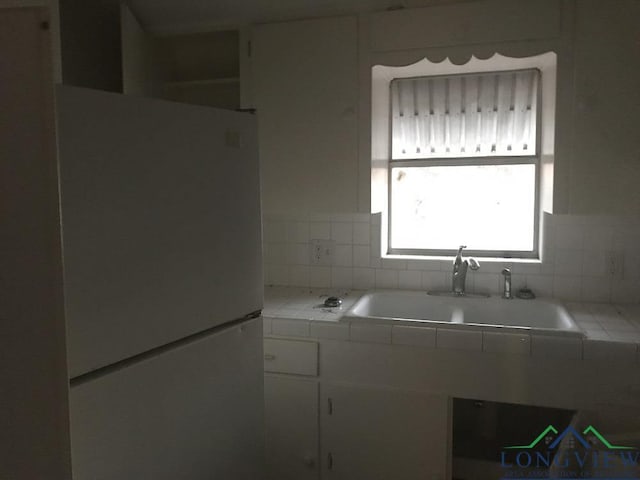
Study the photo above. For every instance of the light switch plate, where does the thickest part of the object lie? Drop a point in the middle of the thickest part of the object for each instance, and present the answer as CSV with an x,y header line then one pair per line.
x,y
233,139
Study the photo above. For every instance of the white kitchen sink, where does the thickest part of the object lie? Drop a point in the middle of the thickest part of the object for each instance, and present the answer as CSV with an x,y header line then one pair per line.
x,y
414,308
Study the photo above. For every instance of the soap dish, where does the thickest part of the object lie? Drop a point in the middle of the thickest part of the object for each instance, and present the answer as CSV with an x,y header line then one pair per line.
x,y
332,302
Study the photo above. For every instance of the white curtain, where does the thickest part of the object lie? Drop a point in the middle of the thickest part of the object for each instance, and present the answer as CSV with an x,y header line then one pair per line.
x,y
477,115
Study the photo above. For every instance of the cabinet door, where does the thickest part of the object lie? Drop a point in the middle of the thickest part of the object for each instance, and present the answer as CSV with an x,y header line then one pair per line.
x,y
291,434
305,76
381,434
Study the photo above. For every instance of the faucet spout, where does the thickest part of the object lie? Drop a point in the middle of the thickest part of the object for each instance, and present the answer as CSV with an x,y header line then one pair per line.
x,y
459,274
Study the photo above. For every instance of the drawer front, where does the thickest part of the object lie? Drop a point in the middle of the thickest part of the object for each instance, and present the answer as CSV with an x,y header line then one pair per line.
x,y
291,356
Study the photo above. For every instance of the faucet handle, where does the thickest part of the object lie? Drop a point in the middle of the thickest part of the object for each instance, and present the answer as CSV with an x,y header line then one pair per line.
x,y
473,263
506,271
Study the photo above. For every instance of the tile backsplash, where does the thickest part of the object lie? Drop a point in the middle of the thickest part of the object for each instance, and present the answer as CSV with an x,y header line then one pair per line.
x,y
585,258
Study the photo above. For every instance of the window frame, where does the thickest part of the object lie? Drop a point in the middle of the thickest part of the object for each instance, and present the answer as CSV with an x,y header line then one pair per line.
x,y
470,161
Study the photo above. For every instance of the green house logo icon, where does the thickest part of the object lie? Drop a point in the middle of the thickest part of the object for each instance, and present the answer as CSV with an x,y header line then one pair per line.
x,y
589,438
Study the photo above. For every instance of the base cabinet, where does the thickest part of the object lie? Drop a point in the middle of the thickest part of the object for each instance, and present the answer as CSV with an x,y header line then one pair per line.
x,y
376,433
317,428
291,427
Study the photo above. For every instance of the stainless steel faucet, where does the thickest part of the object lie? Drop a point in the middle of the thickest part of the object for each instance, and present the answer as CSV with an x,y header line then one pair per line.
x,y
506,294
460,267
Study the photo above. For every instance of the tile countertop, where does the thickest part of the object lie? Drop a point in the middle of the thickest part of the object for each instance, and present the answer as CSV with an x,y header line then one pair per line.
x,y
611,330
307,303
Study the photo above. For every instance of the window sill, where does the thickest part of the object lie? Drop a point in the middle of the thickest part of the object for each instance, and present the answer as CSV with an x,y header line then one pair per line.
x,y
425,258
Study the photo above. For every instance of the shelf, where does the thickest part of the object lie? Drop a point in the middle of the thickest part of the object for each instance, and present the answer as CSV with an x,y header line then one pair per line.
x,y
202,82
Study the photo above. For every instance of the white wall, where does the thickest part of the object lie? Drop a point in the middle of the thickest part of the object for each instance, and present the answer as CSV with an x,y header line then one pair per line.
x,y
53,15
309,64
588,258
33,377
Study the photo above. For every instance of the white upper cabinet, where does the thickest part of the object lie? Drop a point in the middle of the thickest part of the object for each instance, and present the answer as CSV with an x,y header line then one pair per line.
x,y
305,79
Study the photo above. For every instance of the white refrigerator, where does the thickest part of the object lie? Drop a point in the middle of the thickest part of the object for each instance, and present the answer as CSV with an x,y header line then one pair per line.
x,y
160,207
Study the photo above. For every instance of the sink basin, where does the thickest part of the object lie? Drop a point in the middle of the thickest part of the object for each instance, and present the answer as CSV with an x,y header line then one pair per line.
x,y
411,308
402,305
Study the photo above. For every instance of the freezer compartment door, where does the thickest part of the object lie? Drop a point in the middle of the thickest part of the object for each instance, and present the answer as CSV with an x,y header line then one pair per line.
x,y
161,222
193,412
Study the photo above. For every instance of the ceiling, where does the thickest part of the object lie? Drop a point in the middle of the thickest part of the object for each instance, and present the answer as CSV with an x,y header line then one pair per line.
x,y
193,15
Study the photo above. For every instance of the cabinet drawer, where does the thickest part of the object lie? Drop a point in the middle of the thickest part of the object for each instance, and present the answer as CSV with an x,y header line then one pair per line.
x,y
290,356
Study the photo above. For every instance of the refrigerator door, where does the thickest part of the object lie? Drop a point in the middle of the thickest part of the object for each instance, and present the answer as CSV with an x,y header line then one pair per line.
x,y
193,412
161,222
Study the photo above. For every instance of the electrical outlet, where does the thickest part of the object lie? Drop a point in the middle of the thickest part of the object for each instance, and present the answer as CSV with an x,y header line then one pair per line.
x,y
614,263
322,252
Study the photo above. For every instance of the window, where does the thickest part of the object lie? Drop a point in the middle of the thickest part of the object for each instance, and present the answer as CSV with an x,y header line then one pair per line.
x,y
473,115
464,164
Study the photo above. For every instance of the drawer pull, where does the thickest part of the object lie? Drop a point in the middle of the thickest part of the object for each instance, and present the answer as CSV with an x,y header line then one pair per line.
x,y
269,356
